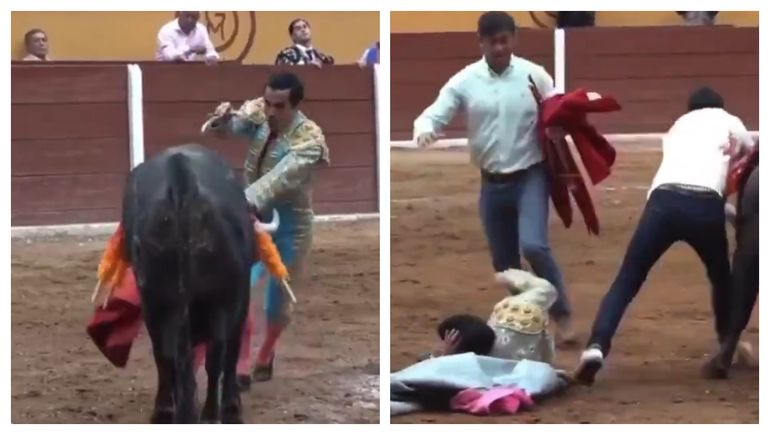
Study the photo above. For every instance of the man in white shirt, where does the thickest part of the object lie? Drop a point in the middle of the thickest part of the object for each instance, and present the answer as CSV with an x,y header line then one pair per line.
x,y
184,39
502,116
686,203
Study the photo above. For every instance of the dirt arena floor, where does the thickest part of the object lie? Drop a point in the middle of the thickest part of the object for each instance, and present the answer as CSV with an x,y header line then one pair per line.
x,y
440,266
327,369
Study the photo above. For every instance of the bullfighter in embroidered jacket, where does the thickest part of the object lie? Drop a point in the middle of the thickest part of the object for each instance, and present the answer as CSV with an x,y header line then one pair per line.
x,y
286,147
517,328
520,321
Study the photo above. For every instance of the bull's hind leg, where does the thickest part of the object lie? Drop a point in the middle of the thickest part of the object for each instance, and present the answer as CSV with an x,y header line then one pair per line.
x,y
215,356
162,334
743,295
185,392
231,397
163,413
214,363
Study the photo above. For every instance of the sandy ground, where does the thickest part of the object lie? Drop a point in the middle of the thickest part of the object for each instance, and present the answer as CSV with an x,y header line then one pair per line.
x,y
58,375
440,266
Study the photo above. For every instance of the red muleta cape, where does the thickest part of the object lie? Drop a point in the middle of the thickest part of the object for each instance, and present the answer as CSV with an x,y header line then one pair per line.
x,y
114,328
570,112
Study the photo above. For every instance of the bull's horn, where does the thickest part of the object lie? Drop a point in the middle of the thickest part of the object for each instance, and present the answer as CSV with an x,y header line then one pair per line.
x,y
270,227
210,124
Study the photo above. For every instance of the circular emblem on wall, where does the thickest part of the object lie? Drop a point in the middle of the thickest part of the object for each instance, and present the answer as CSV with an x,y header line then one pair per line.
x,y
232,33
543,19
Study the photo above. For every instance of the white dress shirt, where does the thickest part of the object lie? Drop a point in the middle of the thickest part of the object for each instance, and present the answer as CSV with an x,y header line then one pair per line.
x,y
306,54
501,113
173,42
696,150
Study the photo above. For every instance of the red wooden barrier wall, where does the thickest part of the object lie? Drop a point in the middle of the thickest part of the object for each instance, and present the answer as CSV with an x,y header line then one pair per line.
x,y
651,70
69,143
70,150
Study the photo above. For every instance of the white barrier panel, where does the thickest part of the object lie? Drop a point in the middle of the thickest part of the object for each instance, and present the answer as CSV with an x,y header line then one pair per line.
x,y
559,61
135,115
615,139
377,98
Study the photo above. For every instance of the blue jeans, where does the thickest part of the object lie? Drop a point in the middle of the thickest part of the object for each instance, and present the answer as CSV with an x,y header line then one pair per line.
x,y
515,217
669,216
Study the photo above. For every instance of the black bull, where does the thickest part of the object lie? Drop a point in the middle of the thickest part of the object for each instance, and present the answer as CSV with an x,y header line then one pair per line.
x,y
190,240
745,269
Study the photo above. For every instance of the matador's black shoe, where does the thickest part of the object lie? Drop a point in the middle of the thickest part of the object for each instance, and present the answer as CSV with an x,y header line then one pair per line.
x,y
264,373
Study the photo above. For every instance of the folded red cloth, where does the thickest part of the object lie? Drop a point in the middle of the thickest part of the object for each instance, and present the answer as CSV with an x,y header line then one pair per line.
x,y
570,112
114,328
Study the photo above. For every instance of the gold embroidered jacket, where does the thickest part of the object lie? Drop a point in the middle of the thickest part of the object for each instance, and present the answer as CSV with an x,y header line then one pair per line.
x,y
520,321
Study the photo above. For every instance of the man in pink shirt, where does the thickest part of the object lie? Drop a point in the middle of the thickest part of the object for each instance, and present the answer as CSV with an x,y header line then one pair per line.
x,y
184,39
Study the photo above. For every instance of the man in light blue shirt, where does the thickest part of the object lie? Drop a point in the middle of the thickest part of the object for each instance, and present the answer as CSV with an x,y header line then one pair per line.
x,y
502,116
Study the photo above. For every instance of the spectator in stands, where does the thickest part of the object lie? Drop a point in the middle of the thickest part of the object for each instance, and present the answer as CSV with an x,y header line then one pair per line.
x,y
302,52
371,56
697,18
184,39
36,45
575,19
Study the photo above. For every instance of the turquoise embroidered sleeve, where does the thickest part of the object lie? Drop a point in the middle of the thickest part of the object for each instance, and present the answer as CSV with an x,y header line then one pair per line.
x,y
258,139
288,175
244,121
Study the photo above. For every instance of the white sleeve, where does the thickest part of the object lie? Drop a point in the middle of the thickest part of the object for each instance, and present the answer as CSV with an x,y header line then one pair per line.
x,y
739,135
210,50
167,50
440,113
544,83
531,288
